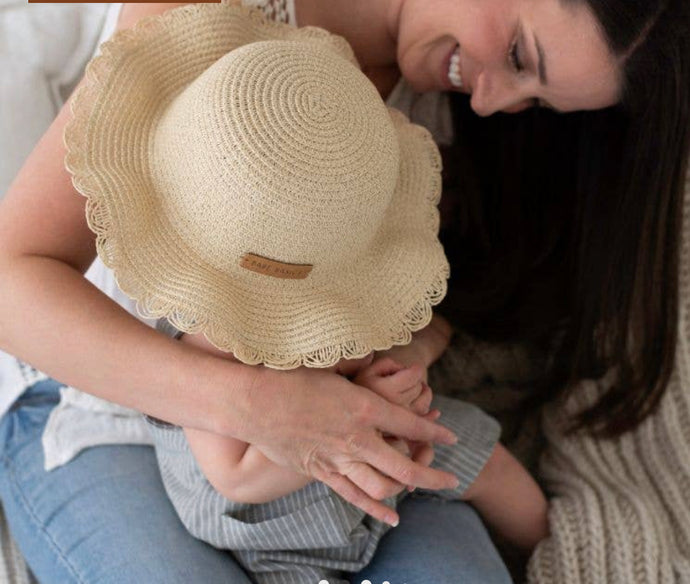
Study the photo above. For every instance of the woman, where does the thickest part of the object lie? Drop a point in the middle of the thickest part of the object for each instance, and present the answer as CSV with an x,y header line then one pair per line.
x,y
511,55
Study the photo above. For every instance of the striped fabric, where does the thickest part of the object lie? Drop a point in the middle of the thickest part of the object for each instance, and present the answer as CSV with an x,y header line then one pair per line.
x,y
13,569
310,534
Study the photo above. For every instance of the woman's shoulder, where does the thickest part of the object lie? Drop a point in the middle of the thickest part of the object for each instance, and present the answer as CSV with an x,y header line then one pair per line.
x,y
129,14
277,10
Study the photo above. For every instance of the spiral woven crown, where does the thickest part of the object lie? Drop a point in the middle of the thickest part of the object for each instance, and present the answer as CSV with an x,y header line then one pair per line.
x,y
280,149
209,133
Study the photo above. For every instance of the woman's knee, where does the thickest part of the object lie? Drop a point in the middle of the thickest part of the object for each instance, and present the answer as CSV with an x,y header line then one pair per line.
x,y
102,518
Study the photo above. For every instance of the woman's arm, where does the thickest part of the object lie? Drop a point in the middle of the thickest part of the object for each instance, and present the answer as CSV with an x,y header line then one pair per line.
x,y
241,473
55,319
236,469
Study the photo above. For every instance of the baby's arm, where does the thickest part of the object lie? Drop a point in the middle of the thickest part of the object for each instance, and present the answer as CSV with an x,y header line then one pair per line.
x,y
239,471
504,493
509,500
236,469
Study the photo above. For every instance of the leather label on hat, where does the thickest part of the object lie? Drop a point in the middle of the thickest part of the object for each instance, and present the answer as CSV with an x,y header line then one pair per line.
x,y
261,265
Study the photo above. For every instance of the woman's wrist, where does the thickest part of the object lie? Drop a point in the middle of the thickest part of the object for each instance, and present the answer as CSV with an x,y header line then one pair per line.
x,y
219,400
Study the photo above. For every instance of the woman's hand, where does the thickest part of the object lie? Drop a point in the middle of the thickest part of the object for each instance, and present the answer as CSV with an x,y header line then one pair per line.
x,y
405,386
427,345
326,427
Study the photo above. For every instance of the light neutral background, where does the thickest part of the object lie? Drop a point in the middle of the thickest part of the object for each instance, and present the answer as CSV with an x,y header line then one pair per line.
x,y
43,51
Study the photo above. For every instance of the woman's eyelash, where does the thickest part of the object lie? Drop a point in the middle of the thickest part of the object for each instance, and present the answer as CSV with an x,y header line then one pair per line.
x,y
514,58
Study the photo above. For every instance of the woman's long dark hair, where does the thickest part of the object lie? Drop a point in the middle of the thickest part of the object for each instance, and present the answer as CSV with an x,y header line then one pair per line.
x,y
568,226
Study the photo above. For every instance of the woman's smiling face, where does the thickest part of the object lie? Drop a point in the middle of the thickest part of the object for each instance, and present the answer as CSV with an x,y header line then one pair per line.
x,y
508,54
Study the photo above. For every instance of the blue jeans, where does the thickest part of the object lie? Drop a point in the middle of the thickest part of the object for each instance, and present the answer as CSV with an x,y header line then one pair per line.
x,y
105,518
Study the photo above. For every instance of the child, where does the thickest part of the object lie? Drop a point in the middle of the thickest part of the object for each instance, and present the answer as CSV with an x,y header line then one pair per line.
x,y
269,200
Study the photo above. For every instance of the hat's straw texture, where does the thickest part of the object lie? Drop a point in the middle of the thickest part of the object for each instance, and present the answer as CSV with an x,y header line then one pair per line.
x,y
210,132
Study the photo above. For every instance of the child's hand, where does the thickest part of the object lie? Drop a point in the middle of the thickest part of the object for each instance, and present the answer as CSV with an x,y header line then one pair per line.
x,y
397,384
405,386
351,367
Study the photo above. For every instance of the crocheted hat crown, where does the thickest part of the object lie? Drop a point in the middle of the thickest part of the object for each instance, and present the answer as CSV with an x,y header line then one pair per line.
x,y
245,180
281,149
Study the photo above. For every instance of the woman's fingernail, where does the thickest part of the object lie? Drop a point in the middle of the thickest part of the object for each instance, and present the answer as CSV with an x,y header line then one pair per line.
x,y
392,522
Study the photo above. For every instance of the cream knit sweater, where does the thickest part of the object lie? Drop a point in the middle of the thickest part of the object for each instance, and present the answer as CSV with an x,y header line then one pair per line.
x,y
620,509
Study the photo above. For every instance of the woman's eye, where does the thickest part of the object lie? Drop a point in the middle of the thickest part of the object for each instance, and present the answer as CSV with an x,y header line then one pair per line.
x,y
514,58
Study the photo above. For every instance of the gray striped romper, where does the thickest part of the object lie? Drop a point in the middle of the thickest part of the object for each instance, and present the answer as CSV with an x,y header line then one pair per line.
x,y
311,534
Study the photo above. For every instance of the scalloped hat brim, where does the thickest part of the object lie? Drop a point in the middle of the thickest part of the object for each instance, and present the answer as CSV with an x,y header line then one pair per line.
x,y
371,305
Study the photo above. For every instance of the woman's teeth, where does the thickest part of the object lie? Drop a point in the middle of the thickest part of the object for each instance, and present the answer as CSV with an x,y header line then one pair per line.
x,y
454,69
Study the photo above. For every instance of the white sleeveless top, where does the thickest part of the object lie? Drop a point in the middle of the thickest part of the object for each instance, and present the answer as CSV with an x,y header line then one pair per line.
x,y
82,420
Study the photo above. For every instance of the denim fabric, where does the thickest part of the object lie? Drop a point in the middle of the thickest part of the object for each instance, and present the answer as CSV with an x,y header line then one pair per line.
x,y
105,518
102,518
437,542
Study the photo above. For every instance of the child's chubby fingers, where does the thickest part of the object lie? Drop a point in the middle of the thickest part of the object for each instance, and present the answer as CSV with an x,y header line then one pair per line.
x,y
421,404
433,415
400,387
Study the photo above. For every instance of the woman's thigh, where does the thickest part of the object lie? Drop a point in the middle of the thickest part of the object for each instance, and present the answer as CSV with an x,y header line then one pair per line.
x,y
436,542
102,518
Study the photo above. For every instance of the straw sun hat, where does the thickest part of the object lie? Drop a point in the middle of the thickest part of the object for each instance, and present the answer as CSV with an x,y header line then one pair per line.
x,y
245,180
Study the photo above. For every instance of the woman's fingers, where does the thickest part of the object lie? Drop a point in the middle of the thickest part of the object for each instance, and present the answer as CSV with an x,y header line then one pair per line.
x,y
433,415
388,461
372,482
395,420
326,426
353,494
421,452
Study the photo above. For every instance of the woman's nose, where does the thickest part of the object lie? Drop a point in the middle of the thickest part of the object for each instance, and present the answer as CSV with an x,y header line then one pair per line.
x,y
492,94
